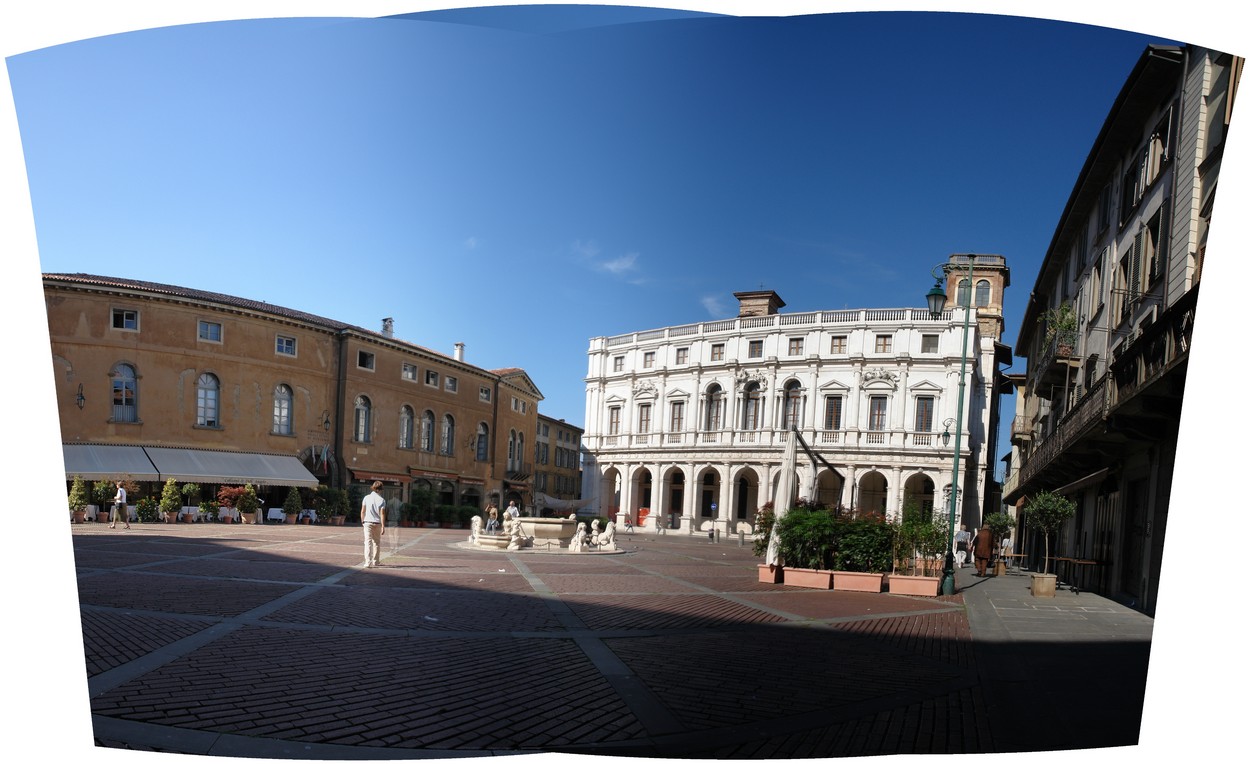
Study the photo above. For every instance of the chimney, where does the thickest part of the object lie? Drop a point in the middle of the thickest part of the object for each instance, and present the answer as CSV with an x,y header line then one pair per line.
x,y
388,327
760,303
459,356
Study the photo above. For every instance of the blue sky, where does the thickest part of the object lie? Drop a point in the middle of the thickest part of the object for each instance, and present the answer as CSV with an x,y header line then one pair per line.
x,y
483,179
522,180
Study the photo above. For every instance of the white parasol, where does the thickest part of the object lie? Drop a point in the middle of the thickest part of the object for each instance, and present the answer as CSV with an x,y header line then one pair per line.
x,y
783,496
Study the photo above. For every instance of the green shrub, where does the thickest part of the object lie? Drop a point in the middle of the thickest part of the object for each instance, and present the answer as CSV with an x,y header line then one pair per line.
x,y
171,497
78,495
765,518
808,538
293,503
145,509
865,545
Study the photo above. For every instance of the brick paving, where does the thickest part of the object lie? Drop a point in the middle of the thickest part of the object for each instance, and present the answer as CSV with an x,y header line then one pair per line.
x,y
271,641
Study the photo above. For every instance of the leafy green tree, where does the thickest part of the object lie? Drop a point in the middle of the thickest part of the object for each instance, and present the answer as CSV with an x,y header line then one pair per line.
x,y
78,498
171,497
1048,512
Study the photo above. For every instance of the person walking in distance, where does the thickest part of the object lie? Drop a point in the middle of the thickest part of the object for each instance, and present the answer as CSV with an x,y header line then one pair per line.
x,y
373,518
119,507
962,540
983,549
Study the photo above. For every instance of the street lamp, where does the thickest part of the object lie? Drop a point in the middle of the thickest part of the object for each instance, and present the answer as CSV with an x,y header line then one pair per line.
x,y
936,299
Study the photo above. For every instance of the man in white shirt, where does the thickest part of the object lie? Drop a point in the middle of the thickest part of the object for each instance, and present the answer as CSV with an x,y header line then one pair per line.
x,y
373,518
119,507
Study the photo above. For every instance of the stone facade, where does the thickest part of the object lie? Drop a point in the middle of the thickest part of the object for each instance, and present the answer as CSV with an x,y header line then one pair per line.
x,y
690,422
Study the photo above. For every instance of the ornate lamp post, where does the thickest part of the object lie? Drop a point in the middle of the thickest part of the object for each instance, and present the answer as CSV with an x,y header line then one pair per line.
x,y
937,302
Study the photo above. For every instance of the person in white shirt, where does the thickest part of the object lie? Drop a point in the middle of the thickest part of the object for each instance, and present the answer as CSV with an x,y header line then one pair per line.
x,y
373,518
119,507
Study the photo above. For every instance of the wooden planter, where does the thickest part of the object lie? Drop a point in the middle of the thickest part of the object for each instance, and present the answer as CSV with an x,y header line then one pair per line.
x,y
851,581
809,578
770,574
1043,585
917,586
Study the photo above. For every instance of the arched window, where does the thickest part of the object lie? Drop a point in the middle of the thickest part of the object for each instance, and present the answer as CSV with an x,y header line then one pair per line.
x,y
449,436
983,293
406,421
714,415
206,401
427,431
792,415
752,407
511,448
125,393
364,420
282,399
964,292
483,442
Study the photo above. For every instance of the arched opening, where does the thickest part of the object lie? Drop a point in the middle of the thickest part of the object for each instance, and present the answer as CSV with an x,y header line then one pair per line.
x,y
873,494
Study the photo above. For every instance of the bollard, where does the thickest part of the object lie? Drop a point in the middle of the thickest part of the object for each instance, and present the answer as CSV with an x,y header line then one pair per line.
x,y
741,538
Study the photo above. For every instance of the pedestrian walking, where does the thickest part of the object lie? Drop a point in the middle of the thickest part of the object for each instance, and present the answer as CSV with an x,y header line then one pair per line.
x,y
983,548
120,508
962,539
373,518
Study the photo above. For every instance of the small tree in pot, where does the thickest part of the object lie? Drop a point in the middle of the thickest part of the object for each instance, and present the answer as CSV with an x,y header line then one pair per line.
x,y
78,500
292,505
1047,512
171,501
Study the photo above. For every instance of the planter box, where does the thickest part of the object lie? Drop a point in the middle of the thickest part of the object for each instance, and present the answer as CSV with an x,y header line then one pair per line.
x,y
1043,585
851,581
808,578
770,574
917,586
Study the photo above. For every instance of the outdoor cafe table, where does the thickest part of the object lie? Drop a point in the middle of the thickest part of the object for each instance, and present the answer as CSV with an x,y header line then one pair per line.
x,y
1065,566
276,513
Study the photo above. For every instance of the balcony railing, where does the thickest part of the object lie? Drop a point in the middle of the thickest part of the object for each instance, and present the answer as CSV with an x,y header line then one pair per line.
x,y
845,439
784,320
1091,407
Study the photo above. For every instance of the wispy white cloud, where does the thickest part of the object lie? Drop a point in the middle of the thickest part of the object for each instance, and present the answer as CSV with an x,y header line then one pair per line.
x,y
588,252
714,306
620,265
471,242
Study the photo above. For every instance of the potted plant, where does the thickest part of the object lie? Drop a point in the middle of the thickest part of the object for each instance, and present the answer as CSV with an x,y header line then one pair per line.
x,y
102,493
1000,524
917,538
171,501
864,554
78,500
1061,325
190,494
209,510
407,515
1047,512
808,540
146,509
292,505
765,519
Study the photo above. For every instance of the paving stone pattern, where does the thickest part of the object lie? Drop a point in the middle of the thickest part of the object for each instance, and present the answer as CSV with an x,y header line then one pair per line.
x,y
273,641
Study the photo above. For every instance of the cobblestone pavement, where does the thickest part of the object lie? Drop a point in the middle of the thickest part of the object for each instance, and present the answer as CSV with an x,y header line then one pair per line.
x,y
272,641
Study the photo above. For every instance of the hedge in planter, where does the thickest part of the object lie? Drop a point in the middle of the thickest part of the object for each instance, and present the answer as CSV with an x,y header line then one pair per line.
x,y
865,552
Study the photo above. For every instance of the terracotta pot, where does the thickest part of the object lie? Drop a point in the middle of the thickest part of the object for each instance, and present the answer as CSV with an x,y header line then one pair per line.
x,y
771,574
171,517
852,581
809,578
337,519
919,586
247,519
227,519
79,516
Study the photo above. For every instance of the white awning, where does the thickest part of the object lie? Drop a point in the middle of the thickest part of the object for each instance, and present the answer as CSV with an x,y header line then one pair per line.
x,y
99,462
190,465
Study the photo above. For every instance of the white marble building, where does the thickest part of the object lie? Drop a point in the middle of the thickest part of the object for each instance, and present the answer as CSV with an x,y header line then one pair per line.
x,y
690,422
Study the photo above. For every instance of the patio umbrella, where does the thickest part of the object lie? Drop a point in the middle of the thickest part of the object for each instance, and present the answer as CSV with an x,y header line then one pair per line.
x,y
781,499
